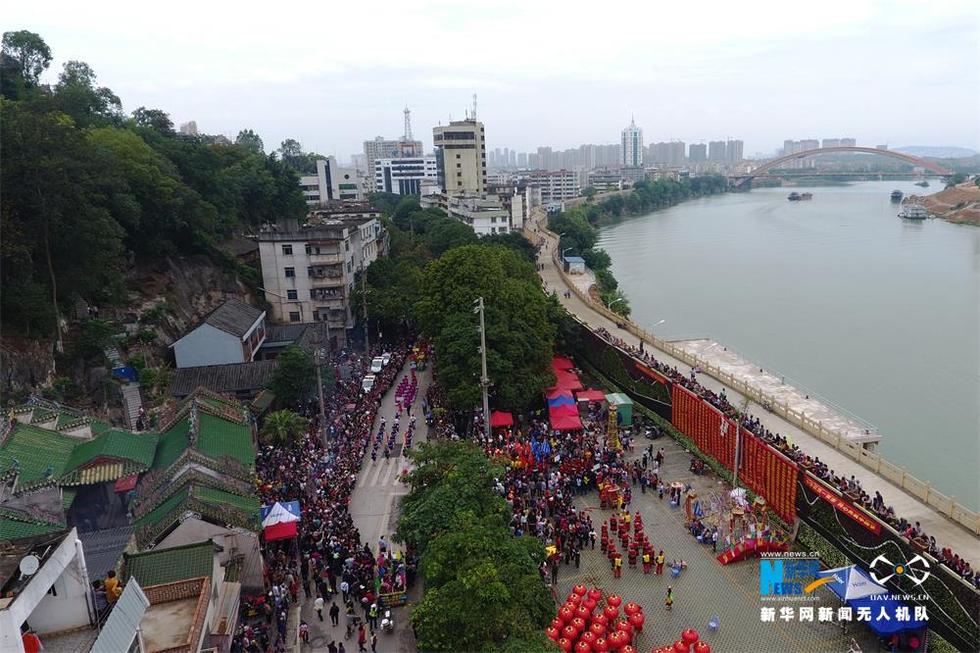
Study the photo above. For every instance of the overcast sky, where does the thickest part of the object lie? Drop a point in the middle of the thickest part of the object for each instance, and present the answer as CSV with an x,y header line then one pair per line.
x,y
332,74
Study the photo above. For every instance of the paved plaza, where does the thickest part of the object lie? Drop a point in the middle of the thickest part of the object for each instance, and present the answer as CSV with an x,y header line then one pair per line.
x,y
706,588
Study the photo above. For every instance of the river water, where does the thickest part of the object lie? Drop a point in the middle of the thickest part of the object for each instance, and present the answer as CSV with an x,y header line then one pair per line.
x,y
875,314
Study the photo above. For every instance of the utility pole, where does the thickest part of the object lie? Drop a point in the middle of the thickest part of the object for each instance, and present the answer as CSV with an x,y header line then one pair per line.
x,y
484,379
367,343
318,357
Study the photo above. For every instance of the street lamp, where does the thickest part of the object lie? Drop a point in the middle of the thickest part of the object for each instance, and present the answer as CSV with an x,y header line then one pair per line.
x,y
563,252
484,379
618,299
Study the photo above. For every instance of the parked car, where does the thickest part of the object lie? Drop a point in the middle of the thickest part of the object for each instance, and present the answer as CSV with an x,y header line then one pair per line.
x,y
367,383
386,358
376,364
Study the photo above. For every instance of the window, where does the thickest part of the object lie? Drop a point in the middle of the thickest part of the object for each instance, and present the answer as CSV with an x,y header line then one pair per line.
x,y
457,156
291,294
287,250
294,316
290,273
308,248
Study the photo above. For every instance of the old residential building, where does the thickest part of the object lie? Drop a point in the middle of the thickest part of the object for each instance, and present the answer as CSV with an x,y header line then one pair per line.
x,y
557,185
461,156
231,333
308,269
331,183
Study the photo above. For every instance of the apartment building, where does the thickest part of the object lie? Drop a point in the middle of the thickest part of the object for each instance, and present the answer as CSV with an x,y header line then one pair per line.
x,y
461,156
331,183
557,185
404,176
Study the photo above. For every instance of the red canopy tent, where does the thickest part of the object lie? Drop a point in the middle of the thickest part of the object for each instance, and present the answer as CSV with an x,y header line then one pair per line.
x,y
500,419
563,409
554,393
591,395
566,423
567,380
561,363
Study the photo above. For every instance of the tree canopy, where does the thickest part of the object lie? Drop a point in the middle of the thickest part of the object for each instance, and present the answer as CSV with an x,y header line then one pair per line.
x,y
87,191
295,377
483,591
519,331
283,427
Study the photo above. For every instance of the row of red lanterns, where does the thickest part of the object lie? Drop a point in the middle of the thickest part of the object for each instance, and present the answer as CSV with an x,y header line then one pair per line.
x,y
690,642
585,628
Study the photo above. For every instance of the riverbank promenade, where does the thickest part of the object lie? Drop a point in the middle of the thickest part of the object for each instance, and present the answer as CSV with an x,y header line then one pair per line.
x,y
947,532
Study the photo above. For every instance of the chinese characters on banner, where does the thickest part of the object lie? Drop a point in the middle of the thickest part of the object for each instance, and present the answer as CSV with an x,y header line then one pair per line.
x,y
769,474
842,505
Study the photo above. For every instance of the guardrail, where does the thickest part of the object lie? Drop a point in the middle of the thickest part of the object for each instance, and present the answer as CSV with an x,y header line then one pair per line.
x,y
921,490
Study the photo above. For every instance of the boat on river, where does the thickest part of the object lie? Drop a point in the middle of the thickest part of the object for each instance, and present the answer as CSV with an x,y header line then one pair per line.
x,y
923,183
897,195
914,211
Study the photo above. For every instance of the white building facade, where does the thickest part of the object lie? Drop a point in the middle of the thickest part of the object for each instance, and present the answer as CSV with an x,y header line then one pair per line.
x,y
331,183
404,176
461,156
632,146
557,185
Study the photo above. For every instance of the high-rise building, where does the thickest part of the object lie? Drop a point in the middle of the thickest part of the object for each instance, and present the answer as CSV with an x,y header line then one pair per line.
x,y
809,144
461,156
556,186
331,182
380,148
848,142
717,151
189,128
632,146
830,142
522,160
733,151
698,153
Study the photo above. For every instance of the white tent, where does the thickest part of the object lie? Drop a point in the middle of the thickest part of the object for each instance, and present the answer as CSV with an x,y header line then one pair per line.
x,y
851,583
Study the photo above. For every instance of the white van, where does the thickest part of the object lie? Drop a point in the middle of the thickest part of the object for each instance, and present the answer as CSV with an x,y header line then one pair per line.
x,y
367,383
376,364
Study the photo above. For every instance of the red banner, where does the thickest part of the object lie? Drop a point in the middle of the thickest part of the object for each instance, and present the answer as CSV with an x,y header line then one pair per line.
x,y
769,474
711,431
653,374
841,504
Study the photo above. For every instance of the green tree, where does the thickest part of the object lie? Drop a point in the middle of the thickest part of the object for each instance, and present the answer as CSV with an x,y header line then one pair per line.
x,y
446,234
250,141
519,334
295,377
77,95
30,51
589,192
154,119
283,428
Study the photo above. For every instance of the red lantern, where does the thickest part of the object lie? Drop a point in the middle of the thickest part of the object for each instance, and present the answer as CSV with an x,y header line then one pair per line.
x,y
588,636
578,623
625,626
702,647
553,633
583,612
569,632
566,614
590,603
611,612
680,647
574,599
595,594
565,644
637,621
579,589
583,647
632,608
614,600
617,639
627,649
600,645
598,628
690,636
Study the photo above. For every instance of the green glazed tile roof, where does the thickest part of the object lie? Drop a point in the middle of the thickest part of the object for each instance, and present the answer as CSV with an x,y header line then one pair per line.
x,y
138,447
68,497
172,444
42,415
170,565
218,437
37,450
11,529
214,495
162,509
98,426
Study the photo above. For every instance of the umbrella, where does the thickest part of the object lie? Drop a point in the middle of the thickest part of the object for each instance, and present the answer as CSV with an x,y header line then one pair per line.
x,y
851,583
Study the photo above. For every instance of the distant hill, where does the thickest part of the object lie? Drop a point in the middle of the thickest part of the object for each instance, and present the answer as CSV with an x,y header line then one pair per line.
x,y
937,151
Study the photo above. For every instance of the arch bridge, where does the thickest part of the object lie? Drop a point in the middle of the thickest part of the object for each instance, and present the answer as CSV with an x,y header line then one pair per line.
x,y
746,180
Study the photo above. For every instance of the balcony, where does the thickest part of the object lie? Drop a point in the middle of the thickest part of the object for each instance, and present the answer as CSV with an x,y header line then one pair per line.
x,y
326,258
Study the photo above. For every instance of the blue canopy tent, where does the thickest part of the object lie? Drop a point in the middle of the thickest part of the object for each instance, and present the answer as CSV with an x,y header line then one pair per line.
x,y
851,583
884,612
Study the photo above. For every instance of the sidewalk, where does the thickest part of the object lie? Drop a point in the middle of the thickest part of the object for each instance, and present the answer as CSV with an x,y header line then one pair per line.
x,y
946,532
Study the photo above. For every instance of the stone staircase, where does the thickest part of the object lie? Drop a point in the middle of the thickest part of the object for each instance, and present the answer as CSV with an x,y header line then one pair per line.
x,y
131,398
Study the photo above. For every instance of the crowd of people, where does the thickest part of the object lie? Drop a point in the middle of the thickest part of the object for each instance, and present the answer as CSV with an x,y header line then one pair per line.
x,y
851,486
327,561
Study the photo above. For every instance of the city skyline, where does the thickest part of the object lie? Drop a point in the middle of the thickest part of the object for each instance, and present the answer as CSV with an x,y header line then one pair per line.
x,y
916,84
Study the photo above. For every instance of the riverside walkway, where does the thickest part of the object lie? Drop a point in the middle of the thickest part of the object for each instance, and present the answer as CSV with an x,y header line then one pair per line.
x,y
948,533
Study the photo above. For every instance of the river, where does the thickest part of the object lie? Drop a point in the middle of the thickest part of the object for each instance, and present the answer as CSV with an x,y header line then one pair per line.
x,y
875,314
